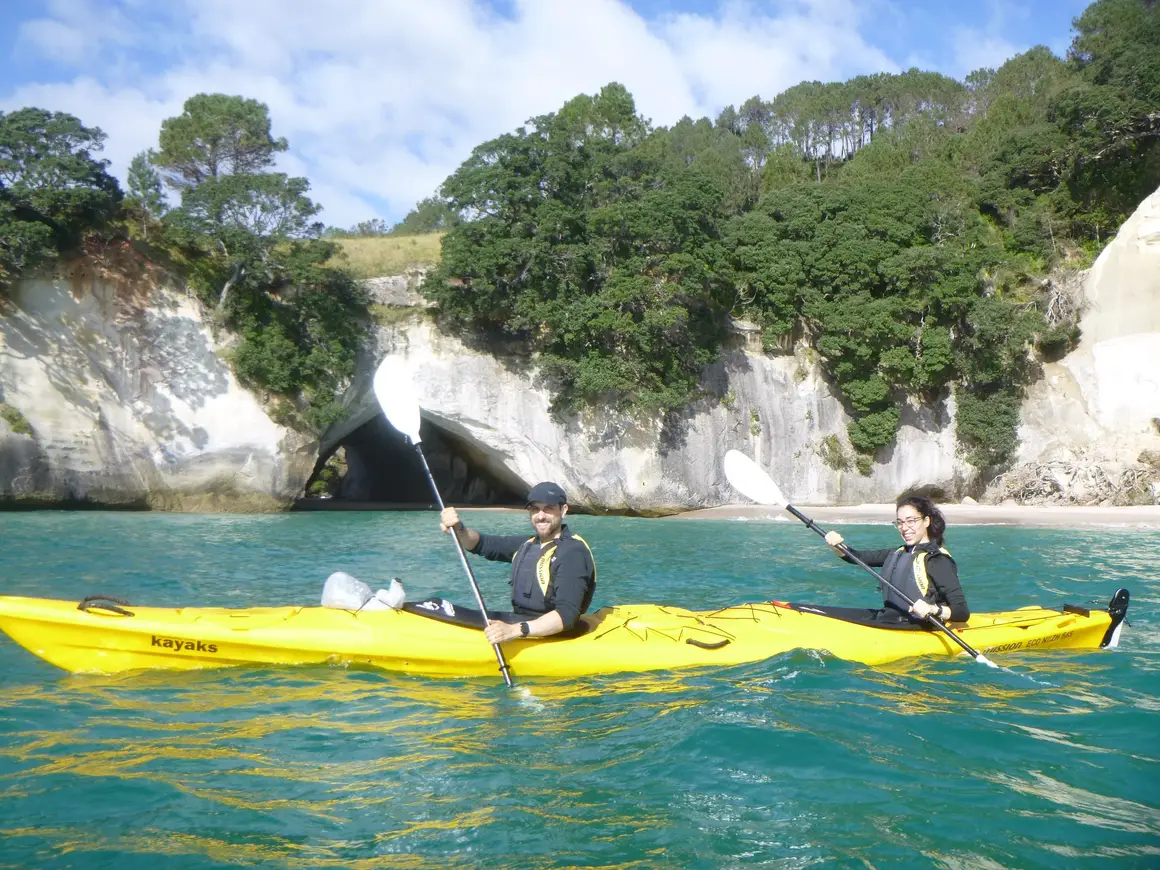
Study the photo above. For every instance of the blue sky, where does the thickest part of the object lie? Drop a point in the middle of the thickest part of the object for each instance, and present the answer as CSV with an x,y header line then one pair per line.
x,y
382,99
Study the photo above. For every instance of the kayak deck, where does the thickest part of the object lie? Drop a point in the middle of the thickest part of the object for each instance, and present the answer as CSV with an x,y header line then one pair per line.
x,y
104,637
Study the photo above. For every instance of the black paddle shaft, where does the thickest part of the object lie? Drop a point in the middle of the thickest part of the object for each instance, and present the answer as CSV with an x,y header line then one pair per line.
x,y
503,665
933,620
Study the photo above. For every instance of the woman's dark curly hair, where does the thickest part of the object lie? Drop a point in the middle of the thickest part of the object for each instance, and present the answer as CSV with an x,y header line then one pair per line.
x,y
922,504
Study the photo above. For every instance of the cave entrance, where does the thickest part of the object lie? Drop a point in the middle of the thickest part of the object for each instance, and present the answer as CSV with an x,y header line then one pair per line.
x,y
375,468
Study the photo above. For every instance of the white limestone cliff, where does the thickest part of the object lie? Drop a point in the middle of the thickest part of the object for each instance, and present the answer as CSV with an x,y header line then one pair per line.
x,y
1101,403
776,408
118,380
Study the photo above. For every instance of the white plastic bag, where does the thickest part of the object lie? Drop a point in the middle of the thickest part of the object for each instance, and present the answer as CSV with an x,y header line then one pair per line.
x,y
391,598
345,592
349,593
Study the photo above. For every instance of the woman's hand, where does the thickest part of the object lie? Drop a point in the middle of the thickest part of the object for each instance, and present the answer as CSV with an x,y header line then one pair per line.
x,y
499,632
835,540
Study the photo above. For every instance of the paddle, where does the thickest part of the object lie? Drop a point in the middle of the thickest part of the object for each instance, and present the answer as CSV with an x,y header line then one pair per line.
x,y
749,480
396,396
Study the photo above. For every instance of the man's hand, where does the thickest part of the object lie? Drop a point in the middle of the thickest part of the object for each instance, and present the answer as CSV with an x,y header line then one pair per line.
x,y
499,632
449,519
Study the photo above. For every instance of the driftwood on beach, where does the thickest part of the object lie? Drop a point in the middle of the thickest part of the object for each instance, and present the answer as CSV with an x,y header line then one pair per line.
x,y
1080,482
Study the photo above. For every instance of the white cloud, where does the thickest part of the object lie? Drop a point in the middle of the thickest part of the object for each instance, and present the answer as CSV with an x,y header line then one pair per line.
x,y
975,49
744,53
382,99
75,28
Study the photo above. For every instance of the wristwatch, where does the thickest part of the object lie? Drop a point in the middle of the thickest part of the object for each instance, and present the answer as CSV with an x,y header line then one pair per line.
x,y
524,629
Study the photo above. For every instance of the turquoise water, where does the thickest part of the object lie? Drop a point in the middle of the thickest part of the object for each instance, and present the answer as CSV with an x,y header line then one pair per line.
x,y
799,761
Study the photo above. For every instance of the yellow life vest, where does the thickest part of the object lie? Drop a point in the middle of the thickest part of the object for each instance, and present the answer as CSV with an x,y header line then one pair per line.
x,y
544,563
921,578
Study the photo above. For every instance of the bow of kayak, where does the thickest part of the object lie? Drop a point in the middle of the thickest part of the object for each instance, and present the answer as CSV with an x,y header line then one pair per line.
x,y
104,636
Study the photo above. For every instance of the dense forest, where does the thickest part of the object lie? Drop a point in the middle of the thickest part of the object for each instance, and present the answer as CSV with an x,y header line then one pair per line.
x,y
913,231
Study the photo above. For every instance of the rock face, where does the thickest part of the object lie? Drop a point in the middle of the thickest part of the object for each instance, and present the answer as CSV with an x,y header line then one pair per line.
x,y
112,392
1101,403
775,408
398,291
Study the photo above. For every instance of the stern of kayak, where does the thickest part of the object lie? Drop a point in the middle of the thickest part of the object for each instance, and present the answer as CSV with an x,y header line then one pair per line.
x,y
1118,611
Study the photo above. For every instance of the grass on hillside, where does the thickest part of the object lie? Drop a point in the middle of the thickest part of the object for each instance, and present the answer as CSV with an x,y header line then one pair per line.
x,y
376,256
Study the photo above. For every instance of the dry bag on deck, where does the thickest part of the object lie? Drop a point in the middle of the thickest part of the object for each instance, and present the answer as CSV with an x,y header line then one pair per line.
x,y
344,592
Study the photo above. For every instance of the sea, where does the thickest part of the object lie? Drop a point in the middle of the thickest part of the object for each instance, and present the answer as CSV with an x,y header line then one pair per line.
x,y
802,760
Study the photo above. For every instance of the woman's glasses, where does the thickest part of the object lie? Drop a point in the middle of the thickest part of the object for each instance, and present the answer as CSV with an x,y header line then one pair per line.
x,y
911,522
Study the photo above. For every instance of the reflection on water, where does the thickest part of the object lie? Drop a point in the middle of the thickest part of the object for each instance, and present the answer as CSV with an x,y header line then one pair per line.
x,y
803,760
1086,807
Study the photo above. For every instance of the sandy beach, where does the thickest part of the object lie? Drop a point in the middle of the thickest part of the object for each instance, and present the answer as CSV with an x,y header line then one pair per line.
x,y
1051,516
1031,516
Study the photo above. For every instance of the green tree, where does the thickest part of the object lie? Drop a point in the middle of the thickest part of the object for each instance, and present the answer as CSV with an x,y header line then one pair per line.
x,y
233,211
714,152
783,167
52,188
299,336
146,192
216,135
1110,114
1018,149
594,242
430,215
372,227
241,221
884,275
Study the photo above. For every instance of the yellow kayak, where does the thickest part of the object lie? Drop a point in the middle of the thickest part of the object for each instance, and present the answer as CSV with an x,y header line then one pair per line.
x,y
103,635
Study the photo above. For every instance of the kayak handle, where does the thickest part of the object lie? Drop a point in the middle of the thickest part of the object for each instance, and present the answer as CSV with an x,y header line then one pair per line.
x,y
705,644
105,602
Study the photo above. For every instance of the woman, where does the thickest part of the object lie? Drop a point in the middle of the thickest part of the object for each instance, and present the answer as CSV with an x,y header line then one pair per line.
x,y
921,568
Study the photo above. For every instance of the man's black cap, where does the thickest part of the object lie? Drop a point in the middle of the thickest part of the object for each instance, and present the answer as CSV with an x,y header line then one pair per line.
x,y
547,493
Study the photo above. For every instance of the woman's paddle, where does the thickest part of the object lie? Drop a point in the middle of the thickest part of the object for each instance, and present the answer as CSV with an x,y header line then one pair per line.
x,y
396,396
749,480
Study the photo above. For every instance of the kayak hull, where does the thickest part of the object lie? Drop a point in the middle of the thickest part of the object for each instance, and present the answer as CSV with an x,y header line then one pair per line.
x,y
96,638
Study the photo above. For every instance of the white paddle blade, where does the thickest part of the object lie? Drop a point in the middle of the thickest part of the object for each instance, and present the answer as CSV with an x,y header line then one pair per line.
x,y
749,480
396,396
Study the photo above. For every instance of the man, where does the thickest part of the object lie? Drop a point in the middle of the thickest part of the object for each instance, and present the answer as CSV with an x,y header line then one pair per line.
x,y
553,573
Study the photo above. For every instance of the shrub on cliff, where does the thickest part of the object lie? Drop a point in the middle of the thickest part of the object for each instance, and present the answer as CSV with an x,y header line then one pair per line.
x,y
52,189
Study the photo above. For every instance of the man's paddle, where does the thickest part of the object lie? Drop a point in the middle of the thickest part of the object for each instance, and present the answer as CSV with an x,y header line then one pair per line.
x,y
396,396
749,480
